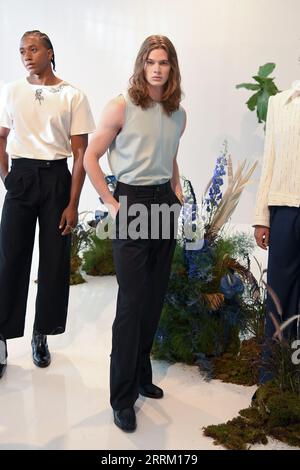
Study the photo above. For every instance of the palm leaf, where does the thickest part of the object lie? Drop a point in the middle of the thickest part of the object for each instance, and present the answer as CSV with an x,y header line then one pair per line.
x,y
214,301
236,184
288,321
229,171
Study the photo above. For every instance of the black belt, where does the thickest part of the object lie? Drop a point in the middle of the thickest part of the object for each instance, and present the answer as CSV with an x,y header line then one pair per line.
x,y
34,162
164,188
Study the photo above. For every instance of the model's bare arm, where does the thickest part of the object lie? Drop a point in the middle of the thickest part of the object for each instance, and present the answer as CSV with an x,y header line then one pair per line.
x,y
4,131
111,122
69,216
175,180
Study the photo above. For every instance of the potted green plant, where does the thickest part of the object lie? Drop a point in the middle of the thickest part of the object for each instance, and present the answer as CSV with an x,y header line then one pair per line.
x,y
264,88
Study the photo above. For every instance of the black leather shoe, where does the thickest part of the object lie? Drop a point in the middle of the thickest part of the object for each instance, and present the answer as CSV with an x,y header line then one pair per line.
x,y
40,352
125,419
151,391
3,356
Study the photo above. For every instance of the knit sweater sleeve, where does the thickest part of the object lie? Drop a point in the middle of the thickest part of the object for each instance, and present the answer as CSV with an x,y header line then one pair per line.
x,y
262,214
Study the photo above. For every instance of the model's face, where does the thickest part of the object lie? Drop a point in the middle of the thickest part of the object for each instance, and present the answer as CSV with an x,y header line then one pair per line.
x,y
35,55
157,68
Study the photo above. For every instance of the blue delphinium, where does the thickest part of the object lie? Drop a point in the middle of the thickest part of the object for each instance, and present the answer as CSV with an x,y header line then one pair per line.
x,y
198,260
111,182
190,211
199,263
100,215
231,285
214,191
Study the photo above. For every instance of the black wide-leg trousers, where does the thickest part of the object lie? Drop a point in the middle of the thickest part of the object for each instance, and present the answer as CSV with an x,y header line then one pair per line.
x,y
143,269
283,276
37,190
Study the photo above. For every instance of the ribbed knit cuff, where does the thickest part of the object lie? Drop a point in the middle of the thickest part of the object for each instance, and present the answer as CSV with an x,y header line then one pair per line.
x,y
263,221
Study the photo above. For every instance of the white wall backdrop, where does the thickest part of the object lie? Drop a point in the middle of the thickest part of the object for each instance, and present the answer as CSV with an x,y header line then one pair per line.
x,y
220,43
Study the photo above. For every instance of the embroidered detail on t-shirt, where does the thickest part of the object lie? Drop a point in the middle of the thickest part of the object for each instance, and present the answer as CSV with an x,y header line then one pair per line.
x,y
57,89
38,95
39,92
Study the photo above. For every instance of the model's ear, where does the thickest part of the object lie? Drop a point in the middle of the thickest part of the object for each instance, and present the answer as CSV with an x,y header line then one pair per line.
x,y
50,54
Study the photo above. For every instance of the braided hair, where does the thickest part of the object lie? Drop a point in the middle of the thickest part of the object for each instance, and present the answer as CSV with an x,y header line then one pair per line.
x,y
45,38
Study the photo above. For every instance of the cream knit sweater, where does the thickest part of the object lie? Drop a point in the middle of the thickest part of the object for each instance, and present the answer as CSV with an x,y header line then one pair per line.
x,y
280,177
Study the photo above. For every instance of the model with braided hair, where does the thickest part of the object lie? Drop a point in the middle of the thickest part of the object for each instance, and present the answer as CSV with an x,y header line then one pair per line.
x,y
48,121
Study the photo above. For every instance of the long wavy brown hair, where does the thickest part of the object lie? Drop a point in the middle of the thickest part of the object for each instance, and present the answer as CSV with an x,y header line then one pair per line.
x,y
138,90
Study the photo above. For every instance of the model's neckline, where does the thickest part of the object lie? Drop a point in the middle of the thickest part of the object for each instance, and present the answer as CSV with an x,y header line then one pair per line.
x,y
62,82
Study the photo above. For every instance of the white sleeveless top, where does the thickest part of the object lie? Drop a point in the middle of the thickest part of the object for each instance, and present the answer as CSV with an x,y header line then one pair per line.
x,y
144,150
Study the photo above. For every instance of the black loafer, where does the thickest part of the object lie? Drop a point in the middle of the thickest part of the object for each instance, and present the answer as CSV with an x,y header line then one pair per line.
x,y
151,391
40,352
125,419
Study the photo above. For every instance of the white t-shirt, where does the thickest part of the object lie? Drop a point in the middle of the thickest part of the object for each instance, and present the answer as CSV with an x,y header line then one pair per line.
x,y
42,118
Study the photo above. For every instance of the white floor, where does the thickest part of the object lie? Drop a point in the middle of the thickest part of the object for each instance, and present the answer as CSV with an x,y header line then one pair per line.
x,y
66,406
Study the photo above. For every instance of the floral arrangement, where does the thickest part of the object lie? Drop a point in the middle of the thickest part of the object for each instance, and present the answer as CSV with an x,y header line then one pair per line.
x,y
205,307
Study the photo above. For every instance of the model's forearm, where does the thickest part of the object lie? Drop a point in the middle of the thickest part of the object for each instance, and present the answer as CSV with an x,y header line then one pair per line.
x,y
175,181
97,177
111,123
3,158
78,177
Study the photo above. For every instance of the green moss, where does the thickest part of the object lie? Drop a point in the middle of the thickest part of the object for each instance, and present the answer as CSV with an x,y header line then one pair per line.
x,y
281,410
286,374
236,434
290,435
274,413
241,368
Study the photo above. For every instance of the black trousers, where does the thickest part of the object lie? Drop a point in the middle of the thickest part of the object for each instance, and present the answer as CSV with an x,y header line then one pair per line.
x,y
143,270
283,276
36,190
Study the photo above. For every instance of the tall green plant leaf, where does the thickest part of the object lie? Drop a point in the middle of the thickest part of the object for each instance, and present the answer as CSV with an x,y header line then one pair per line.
x,y
252,101
248,86
262,106
265,87
266,69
